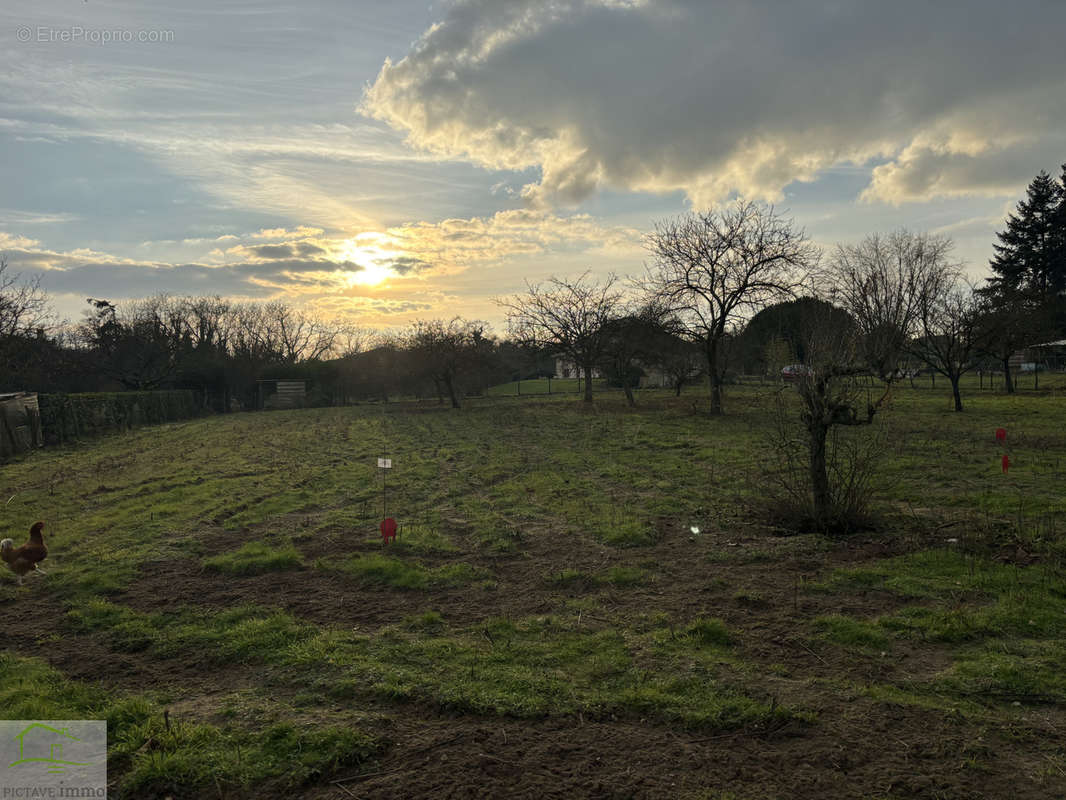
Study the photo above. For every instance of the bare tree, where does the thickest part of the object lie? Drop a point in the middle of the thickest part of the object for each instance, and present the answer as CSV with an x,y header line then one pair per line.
x,y
351,339
884,281
23,305
713,268
949,334
301,336
568,316
254,340
208,323
446,350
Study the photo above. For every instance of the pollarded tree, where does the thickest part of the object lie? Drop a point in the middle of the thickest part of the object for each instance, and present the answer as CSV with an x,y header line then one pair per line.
x,y
568,316
828,478
713,268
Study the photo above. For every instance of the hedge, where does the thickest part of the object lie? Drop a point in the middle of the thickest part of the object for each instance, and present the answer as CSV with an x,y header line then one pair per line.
x,y
75,416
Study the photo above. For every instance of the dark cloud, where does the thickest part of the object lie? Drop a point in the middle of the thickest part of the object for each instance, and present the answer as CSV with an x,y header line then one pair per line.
x,y
287,250
719,97
65,273
404,265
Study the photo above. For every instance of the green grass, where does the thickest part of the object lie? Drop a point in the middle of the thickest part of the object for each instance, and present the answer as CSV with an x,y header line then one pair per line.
x,y
517,485
1006,624
529,668
709,632
255,558
180,758
851,632
395,573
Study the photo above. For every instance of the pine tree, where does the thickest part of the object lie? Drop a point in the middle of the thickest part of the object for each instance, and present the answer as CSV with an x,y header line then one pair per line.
x,y
1058,259
1029,256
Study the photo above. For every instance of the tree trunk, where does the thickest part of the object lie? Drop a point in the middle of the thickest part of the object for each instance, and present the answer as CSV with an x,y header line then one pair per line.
x,y
588,383
451,392
714,377
677,388
955,392
819,475
629,392
1008,384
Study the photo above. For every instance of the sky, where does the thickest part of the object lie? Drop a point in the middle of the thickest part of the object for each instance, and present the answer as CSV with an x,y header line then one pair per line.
x,y
385,160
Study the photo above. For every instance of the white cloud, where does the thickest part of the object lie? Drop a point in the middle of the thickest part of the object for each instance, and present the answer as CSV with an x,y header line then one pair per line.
x,y
716,98
282,233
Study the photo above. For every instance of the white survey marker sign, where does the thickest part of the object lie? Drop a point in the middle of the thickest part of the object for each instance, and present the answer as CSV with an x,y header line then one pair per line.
x,y
385,463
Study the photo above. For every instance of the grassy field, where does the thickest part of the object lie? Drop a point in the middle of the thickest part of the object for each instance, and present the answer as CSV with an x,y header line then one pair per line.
x,y
581,602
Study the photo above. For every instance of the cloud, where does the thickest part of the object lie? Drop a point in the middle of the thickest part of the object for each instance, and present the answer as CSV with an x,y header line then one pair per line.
x,y
718,98
404,265
453,245
89,272
328,273
283,250
14,217
281,233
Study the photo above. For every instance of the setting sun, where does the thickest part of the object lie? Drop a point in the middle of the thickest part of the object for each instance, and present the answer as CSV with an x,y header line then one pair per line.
x,y
371,257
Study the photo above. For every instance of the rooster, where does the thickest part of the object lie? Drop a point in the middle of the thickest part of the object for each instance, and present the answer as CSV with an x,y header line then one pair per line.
x,y
21,560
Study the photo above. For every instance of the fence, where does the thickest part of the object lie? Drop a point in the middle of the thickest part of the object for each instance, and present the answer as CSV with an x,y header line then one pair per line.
x,y
539,386
65,417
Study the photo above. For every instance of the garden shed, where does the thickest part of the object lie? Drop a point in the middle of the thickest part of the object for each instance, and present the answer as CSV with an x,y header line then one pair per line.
x,y
20,423
281,393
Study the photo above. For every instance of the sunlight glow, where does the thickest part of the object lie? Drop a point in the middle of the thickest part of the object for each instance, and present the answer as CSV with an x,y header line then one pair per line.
x,y
365,251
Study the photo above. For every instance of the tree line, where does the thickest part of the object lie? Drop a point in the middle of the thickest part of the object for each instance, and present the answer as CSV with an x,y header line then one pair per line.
x,y
740,288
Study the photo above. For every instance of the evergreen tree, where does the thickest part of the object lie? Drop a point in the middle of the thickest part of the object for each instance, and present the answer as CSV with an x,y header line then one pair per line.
x,y
1031,254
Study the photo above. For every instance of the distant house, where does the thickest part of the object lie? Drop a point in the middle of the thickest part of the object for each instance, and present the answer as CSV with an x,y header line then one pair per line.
x,y
1049,355
654,378
564,368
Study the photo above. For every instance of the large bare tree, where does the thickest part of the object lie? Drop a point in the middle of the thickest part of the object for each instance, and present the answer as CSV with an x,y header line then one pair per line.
x,y
949,334
714,268
884,282
567,315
